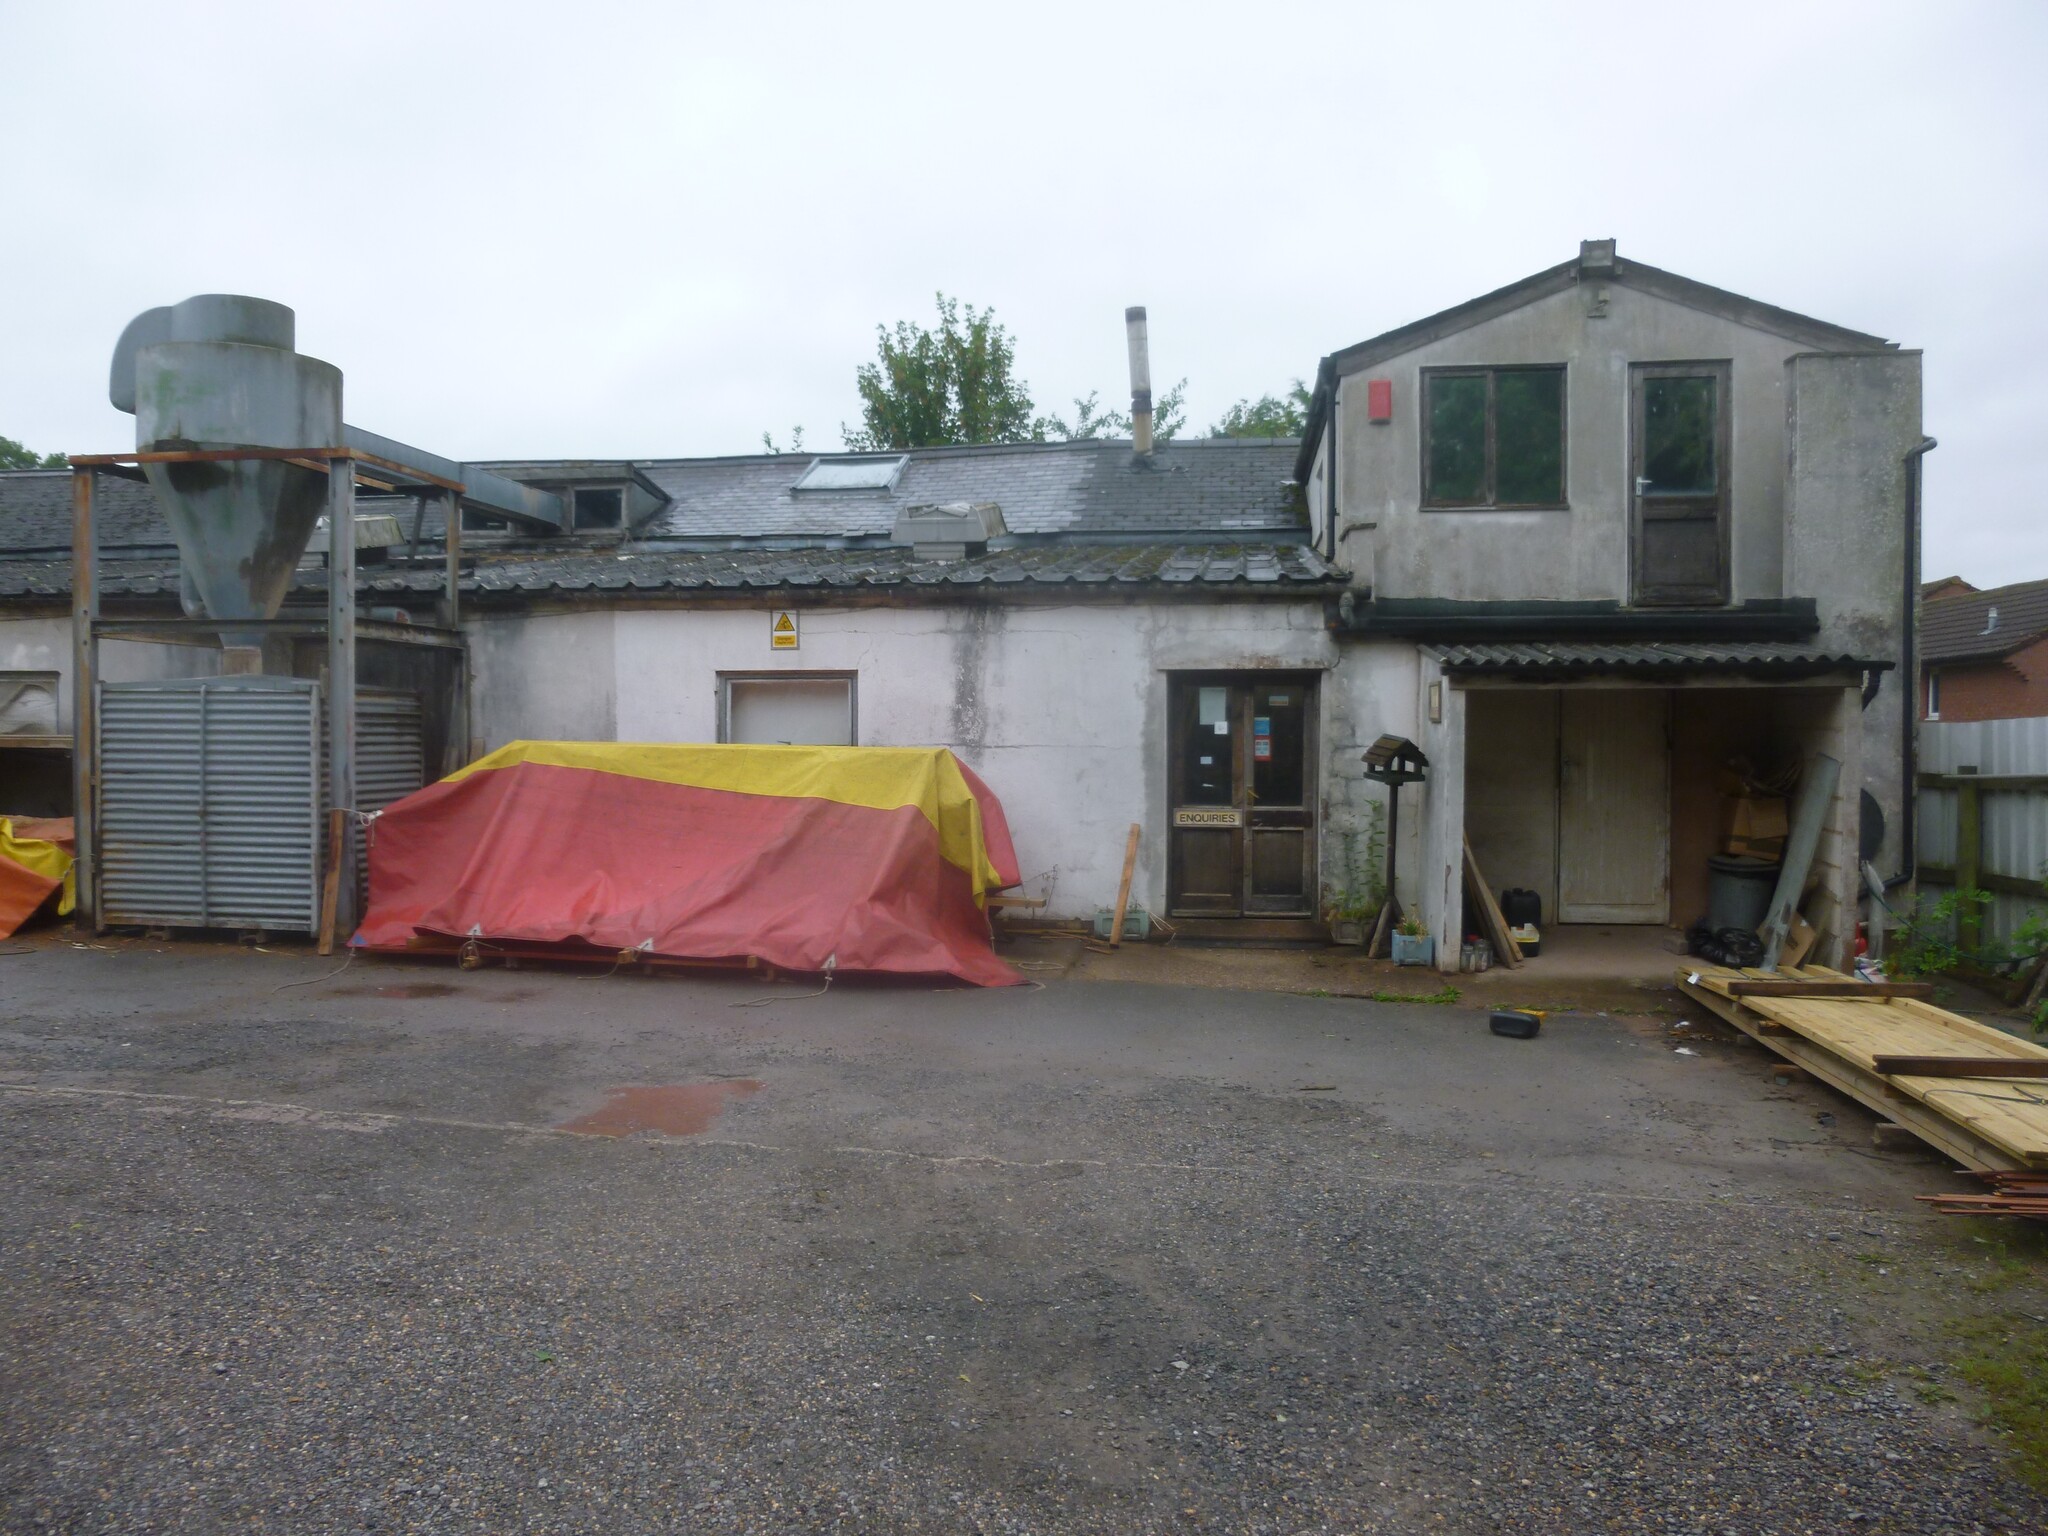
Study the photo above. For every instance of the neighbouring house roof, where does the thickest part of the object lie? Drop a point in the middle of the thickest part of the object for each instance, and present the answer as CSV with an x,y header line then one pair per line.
x,y
1156,567
1755,658
1821,335
1971,626
1944,586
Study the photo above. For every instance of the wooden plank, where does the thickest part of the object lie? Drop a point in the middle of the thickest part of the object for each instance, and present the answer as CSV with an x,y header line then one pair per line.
x,y
85,658
330,886
1987,880
1123,890
1959,1066
1799,986
1868,1089
1969,863
1490,914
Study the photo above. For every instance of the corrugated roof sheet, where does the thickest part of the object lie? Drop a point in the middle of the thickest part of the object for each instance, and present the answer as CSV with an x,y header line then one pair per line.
x,y
1573,658
1158,566
1960,627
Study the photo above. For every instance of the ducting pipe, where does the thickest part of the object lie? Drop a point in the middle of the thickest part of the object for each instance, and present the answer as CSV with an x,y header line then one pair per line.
x,y
1909,674
1141,379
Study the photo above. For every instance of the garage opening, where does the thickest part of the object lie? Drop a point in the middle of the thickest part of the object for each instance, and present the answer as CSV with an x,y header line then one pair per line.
x,y
1611,802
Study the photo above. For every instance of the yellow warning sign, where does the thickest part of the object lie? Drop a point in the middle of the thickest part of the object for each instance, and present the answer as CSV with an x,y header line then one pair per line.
x,y
782,633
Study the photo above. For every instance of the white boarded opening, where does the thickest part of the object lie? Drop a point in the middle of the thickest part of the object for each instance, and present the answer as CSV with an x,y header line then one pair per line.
x,y
791,709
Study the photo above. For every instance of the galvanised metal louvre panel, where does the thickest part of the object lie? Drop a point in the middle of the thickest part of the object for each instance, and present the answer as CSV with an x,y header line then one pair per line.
x,y
209,803
390,755
390,761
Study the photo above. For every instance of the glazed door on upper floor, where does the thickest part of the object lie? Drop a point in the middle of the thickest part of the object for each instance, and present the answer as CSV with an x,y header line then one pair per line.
x,y
1678,461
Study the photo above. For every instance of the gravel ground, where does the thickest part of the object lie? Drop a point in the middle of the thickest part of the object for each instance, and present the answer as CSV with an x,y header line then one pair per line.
x,y
1095,1258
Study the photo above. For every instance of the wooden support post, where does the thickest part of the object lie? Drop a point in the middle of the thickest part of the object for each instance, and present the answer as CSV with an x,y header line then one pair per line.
x,y
1123,890
85,669
451,591
1969,862
455,751
330,885
341,675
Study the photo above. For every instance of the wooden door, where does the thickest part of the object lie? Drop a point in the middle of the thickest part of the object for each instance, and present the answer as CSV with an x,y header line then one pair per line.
x,y
1242,783
1280,775
1678,458
1205,864
1614,807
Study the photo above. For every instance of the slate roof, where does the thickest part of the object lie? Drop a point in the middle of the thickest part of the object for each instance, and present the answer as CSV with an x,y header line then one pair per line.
x,y
1231,489
1205,485
35,514
1161,566
1961,628
1574,659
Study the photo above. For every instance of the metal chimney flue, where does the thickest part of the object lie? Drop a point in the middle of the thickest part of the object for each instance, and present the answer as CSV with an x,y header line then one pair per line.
x,y
218,372
1141,379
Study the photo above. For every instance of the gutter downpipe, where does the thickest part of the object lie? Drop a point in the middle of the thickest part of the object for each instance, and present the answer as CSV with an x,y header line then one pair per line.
x,y
1330,478
1909,674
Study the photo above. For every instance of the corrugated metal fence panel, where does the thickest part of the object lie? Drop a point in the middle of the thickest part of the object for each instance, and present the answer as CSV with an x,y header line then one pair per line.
x,y
2013,823
150,814
209,803
390,758
1990,746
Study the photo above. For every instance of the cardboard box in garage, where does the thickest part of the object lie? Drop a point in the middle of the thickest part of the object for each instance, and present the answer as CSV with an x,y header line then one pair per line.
x,y
1755,826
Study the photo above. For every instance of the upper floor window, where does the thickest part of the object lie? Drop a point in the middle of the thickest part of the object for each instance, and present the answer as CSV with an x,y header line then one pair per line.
x,y
1493,437
600,507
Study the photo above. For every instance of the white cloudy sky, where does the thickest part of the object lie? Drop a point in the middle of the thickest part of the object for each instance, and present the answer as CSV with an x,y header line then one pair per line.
x,y
603,229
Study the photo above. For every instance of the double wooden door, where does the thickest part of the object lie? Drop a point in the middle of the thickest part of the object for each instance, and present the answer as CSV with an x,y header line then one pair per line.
x,y
1242,782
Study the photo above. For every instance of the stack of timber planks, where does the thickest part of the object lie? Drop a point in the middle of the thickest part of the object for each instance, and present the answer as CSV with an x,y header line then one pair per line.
x,y
2014,1194
1896,1053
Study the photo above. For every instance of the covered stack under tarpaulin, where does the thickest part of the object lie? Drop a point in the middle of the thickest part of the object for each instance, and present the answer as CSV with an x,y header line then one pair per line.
x,y
807,858
35,863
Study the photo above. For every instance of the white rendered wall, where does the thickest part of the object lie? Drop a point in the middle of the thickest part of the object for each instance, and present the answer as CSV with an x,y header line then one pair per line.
x,y
1061,710
44,645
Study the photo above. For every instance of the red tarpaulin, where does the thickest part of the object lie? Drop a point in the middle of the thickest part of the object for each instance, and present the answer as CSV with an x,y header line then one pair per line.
x,y
806,858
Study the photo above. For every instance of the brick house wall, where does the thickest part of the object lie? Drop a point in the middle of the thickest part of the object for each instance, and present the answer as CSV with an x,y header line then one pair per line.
x,y
2014,687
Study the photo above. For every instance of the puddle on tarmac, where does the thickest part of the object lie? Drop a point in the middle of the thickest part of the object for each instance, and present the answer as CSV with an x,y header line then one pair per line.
x,y
676,1109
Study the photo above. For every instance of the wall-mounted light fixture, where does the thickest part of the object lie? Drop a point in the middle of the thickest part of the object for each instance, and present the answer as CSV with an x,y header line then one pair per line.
x,y
1436,703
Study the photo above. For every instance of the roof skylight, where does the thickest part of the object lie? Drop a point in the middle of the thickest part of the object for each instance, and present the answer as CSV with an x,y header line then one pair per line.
x,y
861,474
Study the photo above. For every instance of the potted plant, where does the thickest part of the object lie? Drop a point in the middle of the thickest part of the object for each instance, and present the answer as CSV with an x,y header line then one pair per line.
x,y
1350,911
1412,943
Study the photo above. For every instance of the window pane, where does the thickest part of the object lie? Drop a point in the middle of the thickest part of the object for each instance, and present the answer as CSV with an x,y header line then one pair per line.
x,y
1457,438
603,508
1528,447
1680,428
792,711
1279,729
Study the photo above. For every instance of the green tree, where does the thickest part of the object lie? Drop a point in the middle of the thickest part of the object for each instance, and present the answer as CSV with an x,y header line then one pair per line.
x,y
1267,416
1091,420
14,456
954,384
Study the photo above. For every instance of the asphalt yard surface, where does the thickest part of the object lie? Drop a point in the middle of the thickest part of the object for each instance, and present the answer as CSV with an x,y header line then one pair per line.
x,y
1088,1257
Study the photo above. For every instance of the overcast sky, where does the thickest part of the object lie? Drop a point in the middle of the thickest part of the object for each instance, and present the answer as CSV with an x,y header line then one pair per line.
x,y
657,230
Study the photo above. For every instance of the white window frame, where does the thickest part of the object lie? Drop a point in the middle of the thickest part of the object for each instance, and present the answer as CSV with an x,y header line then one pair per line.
x,y
1934,693
727,679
